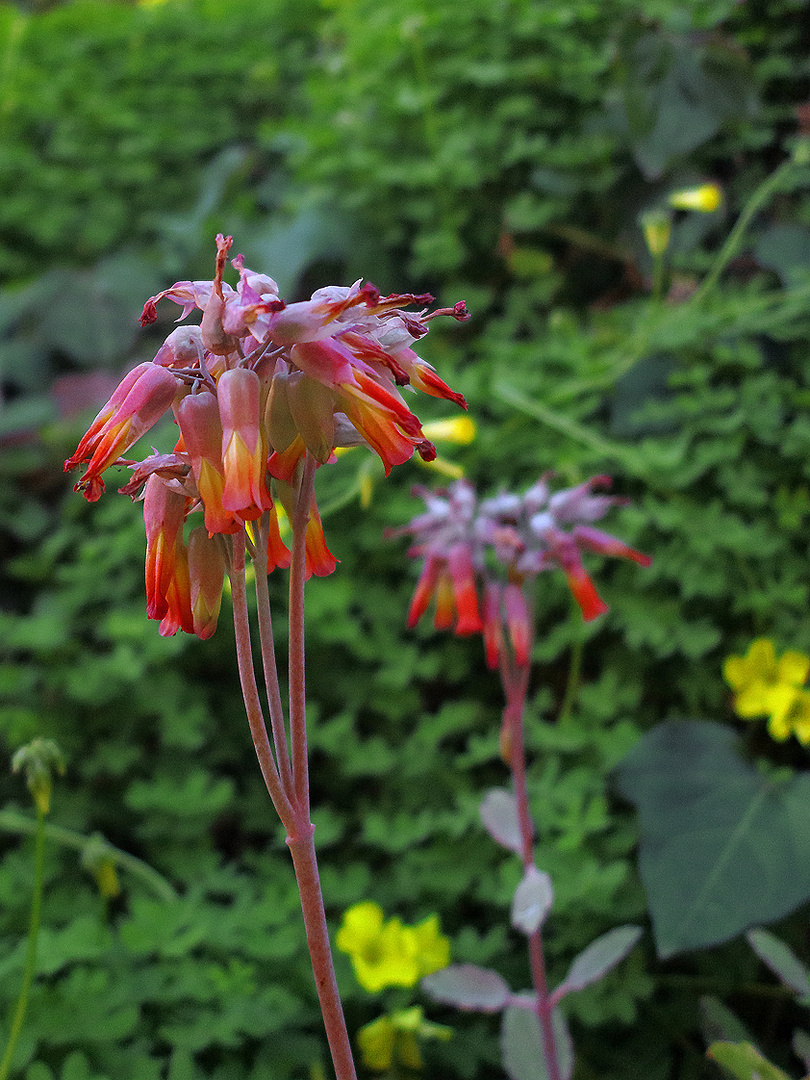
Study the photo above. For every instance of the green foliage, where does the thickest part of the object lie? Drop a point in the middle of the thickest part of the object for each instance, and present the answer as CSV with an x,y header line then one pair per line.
x,y
711,824
490,150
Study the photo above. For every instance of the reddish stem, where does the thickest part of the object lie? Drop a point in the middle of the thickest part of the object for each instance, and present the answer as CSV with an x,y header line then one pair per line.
x,y
515,684
250,692
302,849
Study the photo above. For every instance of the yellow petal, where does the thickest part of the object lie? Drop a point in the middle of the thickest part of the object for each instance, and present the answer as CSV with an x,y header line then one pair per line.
x,y
793,668
376,1042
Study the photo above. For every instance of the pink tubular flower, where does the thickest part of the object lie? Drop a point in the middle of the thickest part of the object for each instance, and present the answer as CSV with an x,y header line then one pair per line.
x,y
258,387
526,535
139,401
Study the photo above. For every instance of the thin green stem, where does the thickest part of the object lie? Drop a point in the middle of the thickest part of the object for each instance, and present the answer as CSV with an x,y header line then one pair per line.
x,y
297,681
11,821
572,685
250,692
270,668
31,952
734,239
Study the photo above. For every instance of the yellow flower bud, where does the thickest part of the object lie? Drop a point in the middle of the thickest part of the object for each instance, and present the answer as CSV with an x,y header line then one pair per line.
x,y
705,199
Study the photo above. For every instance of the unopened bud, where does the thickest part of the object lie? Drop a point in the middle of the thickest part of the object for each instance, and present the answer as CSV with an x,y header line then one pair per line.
x,y
38,760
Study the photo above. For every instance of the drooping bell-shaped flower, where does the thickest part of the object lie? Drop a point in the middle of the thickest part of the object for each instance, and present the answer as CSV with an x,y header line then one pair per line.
x,y
244,450
168,591
206,565
139,401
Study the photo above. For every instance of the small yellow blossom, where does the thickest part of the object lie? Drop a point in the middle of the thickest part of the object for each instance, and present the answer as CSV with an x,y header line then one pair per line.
x,y
457,429
388,953
765,685
380,951
705,199
394,1038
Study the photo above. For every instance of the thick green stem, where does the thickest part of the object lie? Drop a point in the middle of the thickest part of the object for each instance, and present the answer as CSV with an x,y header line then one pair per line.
x,y
31,952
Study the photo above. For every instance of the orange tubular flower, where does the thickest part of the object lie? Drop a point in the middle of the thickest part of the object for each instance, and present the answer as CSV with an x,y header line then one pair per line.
x,y
142,397
168,592
256,387
244,451
198,417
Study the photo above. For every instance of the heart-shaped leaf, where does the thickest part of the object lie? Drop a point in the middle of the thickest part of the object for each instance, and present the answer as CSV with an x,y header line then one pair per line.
x,y
724,846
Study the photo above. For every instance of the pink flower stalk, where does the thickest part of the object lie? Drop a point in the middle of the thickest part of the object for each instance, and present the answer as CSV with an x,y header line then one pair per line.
x,y
257,388
525,535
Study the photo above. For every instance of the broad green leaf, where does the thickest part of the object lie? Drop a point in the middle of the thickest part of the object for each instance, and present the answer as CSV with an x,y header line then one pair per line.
x,y
723,845
599,957
745,1062
468,987
781,960
522,1045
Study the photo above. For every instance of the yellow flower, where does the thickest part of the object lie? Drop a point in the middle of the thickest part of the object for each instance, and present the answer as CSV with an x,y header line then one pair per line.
x,y
431,948
380,952
760,680
394,1038
705,199
790,714
456,429
388,953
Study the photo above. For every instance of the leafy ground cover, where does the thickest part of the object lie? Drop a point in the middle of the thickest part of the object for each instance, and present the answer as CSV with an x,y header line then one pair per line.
x,y
502,152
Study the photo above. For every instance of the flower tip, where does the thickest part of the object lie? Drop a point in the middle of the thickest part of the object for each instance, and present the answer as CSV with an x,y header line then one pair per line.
x,y
149,313
460,312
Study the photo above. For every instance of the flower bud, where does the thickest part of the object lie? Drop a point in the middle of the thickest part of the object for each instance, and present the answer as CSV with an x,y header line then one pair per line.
x,y
206,566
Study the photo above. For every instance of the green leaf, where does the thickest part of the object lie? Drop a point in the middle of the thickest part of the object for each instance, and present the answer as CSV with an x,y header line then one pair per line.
x,y
468,986
744,1061
522,1045
599,957
711,825
781,960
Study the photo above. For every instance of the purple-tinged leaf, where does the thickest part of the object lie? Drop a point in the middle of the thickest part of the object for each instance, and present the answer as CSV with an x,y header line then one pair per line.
x,y
532,901
468,987
499,814
522,1045
599,957
781,960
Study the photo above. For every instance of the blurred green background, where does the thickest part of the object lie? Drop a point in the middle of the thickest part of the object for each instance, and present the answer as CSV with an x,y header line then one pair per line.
x,y
499,151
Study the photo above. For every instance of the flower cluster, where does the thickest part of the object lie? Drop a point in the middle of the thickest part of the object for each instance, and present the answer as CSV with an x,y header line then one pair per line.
x,y
765,686
390,953
256,388
460,536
